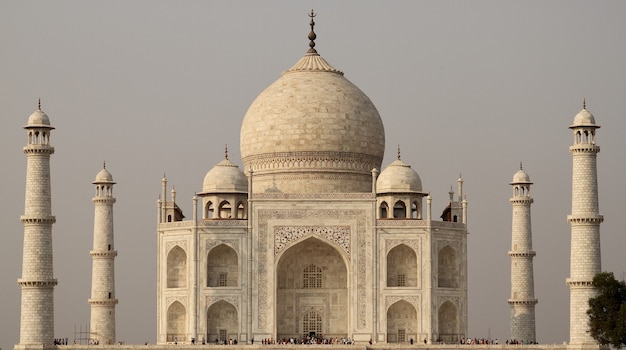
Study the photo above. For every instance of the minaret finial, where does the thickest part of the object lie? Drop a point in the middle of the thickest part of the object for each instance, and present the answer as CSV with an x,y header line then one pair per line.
x,y
398,151
226,151
312,35
104,165
39,104
520,166
584,103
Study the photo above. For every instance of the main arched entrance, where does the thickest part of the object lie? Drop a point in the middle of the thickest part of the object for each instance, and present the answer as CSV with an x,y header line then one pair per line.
x,y
311,292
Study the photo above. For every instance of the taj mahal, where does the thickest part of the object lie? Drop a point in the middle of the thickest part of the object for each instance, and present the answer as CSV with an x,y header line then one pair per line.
x,y
311,237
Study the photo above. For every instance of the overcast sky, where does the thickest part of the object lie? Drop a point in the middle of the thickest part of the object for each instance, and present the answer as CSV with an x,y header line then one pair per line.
x,y
155,87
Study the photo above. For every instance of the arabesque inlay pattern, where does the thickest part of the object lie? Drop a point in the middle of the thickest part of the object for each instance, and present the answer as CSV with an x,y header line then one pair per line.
x,y
212,243
231,299
172,244
413,243
283,235
411,299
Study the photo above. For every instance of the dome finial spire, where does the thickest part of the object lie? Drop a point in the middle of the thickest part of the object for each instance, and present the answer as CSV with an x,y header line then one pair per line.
x,y
520,166
584,103
104,165
398,151
312,35
226,151
39,104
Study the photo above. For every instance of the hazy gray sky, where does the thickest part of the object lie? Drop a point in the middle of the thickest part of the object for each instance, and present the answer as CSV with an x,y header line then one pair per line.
x,y
157,87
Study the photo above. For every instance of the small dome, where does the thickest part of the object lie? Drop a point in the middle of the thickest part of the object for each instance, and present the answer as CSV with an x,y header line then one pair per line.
x,y
398,177
225,177
104,176
584,118
38,119
521,177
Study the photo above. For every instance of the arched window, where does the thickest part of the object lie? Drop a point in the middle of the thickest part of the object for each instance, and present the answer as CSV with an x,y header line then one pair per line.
x,y
222,267
384,210
399,210
209,211
176,268
312,277
401,267
415,211
448,268
225,211
241,211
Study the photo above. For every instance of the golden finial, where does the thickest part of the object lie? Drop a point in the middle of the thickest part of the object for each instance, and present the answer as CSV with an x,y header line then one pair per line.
x,y
226,151
398,151
312,35
39,104
584,103
104,165
520,166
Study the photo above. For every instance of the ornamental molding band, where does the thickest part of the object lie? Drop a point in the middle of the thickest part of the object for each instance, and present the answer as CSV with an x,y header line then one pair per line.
x,y
411,299
312,160
171,244
212,243
266,261
412,243
284,235
170,300
231,299
301,196
406,223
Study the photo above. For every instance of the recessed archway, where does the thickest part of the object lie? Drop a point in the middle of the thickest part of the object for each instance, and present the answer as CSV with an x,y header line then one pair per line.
x,y
222,322
401,322
311,291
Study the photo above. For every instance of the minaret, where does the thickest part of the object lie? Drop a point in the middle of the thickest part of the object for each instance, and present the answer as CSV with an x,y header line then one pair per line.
x,y
37,282
585,223
522,300
103,255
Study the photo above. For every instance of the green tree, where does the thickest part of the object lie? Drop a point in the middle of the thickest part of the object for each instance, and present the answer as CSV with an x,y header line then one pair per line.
x,y
607,311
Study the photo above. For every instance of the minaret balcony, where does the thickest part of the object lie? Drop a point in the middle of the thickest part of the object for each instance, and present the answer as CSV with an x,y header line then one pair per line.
x,y
578,283
38,149
103,302
103,200
591,219
523,301
584,148
521,200
44,219
103,253
522,254
24,283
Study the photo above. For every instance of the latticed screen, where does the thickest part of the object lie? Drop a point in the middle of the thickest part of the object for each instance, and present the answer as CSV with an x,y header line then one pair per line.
x,y
223,282
401,335
312,277
401,280
312,323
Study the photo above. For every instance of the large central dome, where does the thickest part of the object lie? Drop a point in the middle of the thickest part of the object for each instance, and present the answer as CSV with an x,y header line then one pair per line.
x,y
312,131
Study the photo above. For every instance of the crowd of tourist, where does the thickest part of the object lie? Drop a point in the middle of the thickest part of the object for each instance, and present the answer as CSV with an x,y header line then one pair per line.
x,y
483,341
306,340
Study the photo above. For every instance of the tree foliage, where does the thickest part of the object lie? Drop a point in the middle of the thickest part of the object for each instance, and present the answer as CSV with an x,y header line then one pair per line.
x,y
607,311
